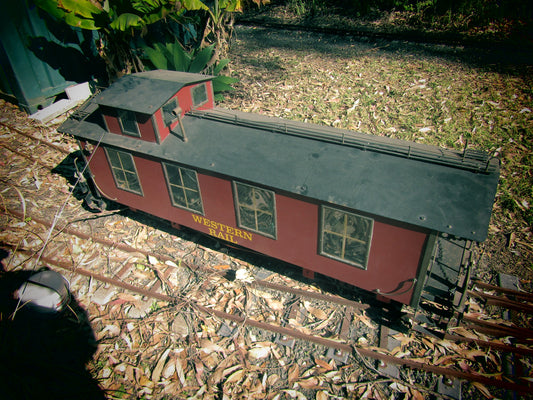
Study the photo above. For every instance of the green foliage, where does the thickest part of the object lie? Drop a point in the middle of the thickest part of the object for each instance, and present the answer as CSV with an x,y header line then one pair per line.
x,y
172,56
307,7
475,10
119,15
119,21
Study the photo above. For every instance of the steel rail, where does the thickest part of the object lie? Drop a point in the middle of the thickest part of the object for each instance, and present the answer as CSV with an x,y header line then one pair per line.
x,y
502,330
514,293
502,301
270,285
44,142
345,347
490,344
29,157
348,348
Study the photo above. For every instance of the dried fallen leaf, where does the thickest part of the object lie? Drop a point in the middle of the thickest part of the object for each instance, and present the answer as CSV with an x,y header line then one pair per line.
x,y
295,394
208,347
169,369
259,351
156,373
244,275
365,320
221,267
180,370
472,354
416,395
317,312
274,304
235,377
294,373
321,395
272,379
483,389
323,364
309,383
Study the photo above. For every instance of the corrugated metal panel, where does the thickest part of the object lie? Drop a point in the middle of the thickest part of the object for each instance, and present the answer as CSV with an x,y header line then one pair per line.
x,y
23,75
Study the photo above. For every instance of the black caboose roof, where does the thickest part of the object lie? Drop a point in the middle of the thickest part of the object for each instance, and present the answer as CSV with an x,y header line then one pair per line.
x,y
146,92
428,194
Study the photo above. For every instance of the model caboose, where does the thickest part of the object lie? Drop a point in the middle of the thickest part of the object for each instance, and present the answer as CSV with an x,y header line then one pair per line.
x,y
374,212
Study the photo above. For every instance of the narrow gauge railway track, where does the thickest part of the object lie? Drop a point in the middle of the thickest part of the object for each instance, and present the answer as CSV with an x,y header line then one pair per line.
x,y
346,346
41,141
495,329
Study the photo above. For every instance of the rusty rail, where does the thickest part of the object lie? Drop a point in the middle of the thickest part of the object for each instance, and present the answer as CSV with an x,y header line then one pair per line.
x,y
349,348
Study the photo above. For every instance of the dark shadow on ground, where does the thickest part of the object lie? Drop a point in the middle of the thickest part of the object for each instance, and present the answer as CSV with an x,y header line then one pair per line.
x,y
43,355
516,60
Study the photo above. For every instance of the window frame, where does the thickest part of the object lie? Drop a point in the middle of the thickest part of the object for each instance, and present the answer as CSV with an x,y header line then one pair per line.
x,y
173,101
237,204
183,187
123,113
344,237
197,87
121,168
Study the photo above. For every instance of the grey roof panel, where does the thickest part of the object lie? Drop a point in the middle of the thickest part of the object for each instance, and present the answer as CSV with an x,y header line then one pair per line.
x,y
146,92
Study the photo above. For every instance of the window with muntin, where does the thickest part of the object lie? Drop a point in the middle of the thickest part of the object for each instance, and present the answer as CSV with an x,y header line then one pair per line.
x,y
124,171
128,123
256,209
345,236
199,95
184,188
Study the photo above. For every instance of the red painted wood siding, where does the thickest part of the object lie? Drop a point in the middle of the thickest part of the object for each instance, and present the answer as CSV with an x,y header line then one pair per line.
x,y
150,124
395,253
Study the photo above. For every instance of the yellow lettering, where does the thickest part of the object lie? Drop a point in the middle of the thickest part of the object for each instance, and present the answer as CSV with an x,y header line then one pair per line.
x,y
221,231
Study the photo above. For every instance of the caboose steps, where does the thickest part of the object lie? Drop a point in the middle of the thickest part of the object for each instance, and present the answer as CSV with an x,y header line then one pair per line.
x,y
442,297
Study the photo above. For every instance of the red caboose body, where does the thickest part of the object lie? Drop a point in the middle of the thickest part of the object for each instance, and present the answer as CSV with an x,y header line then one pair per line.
x,y
373,212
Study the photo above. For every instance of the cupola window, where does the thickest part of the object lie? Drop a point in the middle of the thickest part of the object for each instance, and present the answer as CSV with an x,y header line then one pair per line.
x,y
128,123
